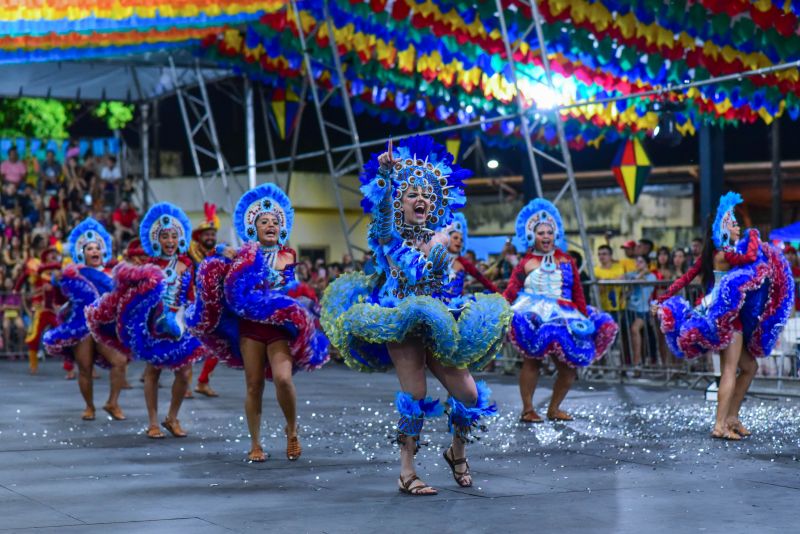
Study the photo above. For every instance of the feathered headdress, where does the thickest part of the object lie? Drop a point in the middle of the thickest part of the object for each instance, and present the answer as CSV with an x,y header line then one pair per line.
x,y
419,162
266,198
459,224
211,222
159,217
89,231
539,211
725,216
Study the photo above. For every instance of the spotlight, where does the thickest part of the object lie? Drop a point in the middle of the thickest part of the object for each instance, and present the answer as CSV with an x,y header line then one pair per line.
x,y
666,132
492,164
469,108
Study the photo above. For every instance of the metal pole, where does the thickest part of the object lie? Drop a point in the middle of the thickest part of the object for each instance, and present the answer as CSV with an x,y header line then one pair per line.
x,y
523,120
198,171
268,130
777,219
250,129
296,133
562,141
321,119
145,142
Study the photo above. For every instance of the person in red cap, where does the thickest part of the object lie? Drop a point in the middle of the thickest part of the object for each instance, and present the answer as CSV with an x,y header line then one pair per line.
x,y
204,241
629,261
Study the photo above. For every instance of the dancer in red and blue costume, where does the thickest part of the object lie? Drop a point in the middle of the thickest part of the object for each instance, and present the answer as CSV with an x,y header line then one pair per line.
x,y
82,283
246,317
146,308
749,297
551,318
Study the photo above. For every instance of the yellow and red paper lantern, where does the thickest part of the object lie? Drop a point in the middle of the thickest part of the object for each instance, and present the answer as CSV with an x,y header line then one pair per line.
x,y
631,168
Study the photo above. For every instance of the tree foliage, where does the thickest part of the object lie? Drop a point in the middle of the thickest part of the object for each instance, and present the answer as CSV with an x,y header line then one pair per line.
x,y
116,114
39,118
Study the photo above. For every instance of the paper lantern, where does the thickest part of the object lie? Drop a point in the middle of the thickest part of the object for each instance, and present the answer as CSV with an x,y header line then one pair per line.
x,y
631,168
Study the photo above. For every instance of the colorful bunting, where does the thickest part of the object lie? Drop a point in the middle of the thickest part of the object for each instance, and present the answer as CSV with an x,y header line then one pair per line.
x,y
631,168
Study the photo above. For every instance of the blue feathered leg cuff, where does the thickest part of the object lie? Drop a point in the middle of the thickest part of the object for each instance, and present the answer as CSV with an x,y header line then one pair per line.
x,y
462,419
413,414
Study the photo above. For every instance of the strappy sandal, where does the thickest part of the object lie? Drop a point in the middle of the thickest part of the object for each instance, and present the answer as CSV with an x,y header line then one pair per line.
x,y
153,432
293,448
416,491
452,462
115,412
88,414
174,428
559,416
530,417
257,455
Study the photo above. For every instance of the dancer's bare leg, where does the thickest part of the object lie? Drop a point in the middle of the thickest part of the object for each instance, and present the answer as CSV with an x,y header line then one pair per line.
x,y
254,357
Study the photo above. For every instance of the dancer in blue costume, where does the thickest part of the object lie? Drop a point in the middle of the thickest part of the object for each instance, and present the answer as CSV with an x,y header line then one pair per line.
x,y
749,298
246,317
398,316
551,318
82,282
146,308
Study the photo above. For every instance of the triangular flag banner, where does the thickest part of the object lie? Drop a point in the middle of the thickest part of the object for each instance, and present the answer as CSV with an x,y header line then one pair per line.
x,y
278,106
453,145
291,108
631,168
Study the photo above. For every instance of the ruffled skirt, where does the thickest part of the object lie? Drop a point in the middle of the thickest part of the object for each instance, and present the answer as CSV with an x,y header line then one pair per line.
x,y
134,311
543,326
361,328
232,302
754,299
72,327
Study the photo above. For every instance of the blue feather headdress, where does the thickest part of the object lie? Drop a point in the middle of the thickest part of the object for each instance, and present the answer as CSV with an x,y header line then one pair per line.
x,y
459,224
89,231
725,216
419,162
159,217
539,211
266,198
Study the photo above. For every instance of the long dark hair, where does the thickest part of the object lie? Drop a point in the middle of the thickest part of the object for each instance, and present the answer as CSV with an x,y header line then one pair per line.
x,y
709,249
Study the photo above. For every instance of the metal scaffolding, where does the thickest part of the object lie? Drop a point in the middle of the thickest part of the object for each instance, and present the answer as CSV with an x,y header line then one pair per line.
x,y
350,160
198,117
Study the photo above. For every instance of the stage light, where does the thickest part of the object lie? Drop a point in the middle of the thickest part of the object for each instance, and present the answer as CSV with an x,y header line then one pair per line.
x,y
666,131
469,108
492,164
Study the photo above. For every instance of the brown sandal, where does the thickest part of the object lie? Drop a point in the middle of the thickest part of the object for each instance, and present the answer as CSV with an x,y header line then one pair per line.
x,y
452,462
115,412
559,416
257,455
153,432
88,414
416,491
530,417
293,448
174,428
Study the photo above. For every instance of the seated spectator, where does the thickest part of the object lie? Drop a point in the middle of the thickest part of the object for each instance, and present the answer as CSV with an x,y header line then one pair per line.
x,y
50,173
126,221
110,176
9,200
13,170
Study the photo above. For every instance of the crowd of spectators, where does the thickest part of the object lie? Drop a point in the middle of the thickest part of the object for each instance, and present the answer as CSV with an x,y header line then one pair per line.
x,y
40,200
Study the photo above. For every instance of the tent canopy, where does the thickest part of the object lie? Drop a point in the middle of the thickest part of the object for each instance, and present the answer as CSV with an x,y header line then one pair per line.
x,y
787,233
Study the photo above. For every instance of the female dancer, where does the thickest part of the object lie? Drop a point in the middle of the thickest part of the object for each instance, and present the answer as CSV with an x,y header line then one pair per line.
x,y
399,316
749,299
145,309
250,321
459,265
82,282
551,317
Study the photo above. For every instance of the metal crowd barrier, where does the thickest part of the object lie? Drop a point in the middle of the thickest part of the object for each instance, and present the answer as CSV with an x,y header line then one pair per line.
x,y
778,373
